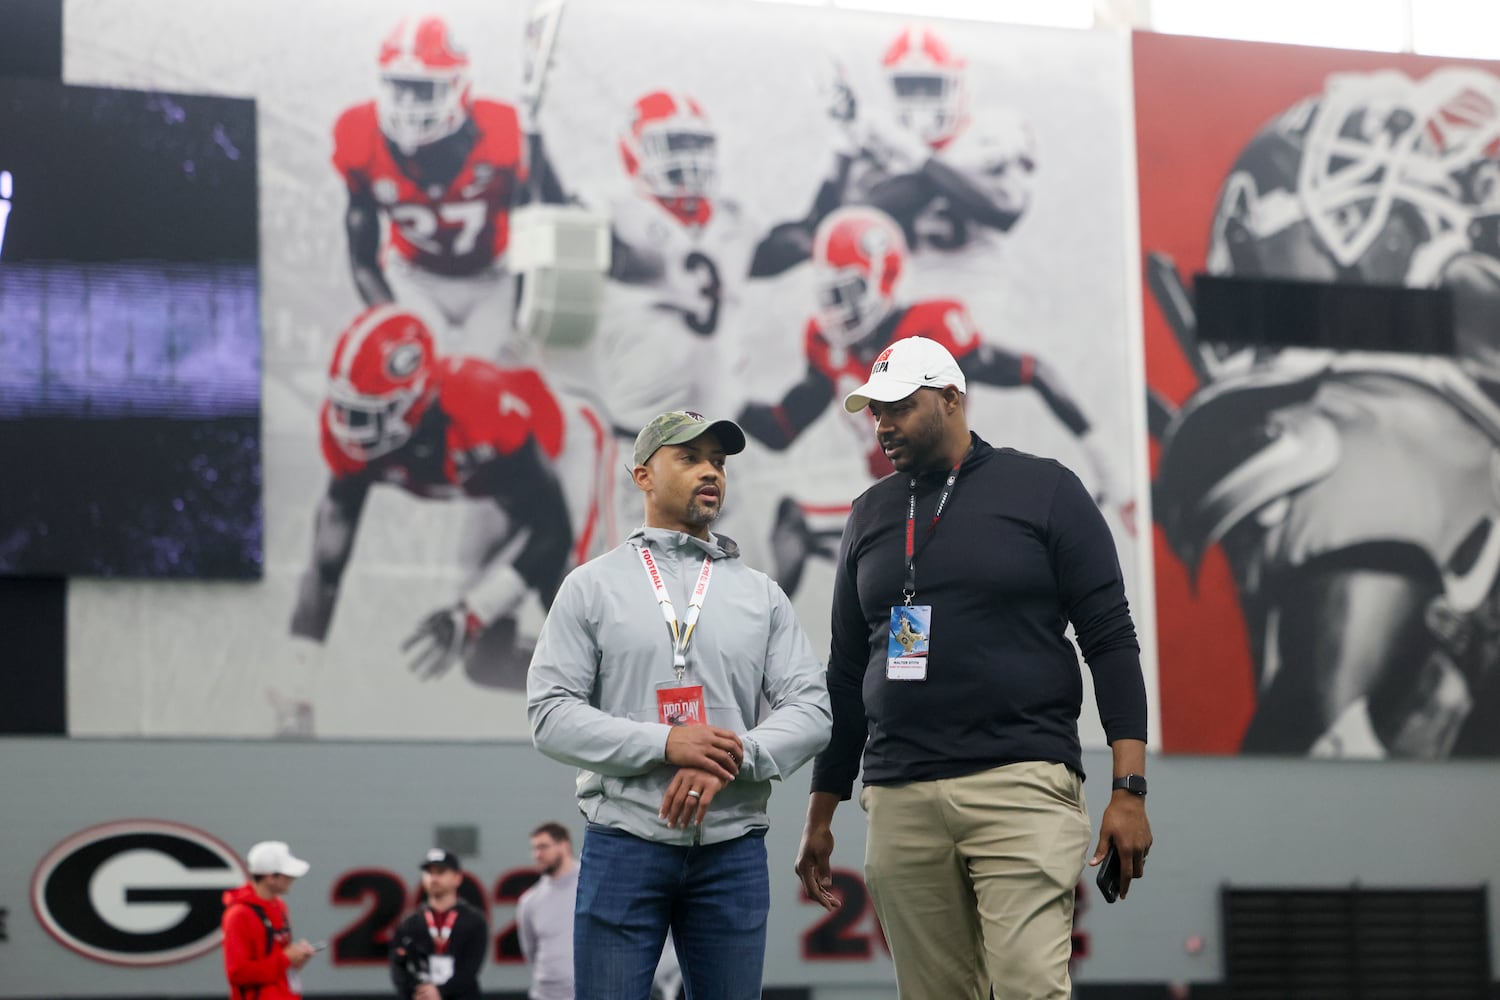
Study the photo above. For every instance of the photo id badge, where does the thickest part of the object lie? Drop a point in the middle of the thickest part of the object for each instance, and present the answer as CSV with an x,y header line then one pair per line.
x,y
681,706
440,969
910,639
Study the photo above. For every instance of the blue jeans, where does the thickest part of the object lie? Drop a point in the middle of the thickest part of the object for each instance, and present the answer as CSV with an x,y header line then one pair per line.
x,y
714,897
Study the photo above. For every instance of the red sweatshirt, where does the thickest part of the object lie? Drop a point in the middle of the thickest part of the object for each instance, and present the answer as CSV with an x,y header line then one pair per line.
x,y
255,932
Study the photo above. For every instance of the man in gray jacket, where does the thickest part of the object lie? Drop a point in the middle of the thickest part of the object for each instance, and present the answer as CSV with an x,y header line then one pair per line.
x,y
664,723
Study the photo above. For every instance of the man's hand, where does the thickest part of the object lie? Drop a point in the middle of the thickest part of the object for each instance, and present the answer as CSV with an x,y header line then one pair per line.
x,y
426,991
297,955
1125,825
814,865
688,796
439,641
707,748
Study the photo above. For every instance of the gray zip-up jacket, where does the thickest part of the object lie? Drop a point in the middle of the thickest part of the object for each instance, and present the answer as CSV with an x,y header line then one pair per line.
x,y
604,650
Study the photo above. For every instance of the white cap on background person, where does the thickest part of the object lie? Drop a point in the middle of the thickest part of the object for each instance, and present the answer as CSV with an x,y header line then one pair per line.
x,y
903,368
273,857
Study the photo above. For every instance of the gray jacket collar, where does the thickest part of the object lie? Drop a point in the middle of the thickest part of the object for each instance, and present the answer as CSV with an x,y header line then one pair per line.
x,y
717,546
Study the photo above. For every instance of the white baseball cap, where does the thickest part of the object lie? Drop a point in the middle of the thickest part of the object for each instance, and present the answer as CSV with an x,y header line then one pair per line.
x,y
903,368
273,857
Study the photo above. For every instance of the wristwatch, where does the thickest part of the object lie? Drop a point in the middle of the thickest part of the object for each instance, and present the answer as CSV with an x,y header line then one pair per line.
x,y
1135,784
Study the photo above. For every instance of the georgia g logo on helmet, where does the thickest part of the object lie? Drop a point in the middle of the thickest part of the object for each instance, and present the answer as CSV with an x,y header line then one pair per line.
x,y
136,892
404,360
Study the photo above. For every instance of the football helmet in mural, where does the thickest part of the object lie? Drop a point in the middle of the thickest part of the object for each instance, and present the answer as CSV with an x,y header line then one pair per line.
x,y
858,254
670,148
378,381
425,91
927,85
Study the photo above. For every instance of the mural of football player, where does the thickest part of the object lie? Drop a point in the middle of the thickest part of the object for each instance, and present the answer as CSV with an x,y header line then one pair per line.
x,y
680,253
951,182
1355,495
669,277
398,413
433,173
859,254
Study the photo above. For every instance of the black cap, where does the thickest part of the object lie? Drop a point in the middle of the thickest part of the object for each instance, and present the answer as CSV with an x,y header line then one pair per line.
x,y
439,858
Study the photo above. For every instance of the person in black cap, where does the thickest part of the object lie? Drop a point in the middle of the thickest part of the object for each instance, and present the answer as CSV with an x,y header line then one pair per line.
x,y
437,951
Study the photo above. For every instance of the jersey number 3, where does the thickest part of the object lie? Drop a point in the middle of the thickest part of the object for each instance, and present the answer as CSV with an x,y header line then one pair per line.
x,y
704,321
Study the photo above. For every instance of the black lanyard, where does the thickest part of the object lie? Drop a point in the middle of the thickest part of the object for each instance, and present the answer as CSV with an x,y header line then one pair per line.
x,y
909,589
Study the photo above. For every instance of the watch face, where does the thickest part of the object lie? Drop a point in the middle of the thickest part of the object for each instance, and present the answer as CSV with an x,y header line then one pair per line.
x,y
1133,783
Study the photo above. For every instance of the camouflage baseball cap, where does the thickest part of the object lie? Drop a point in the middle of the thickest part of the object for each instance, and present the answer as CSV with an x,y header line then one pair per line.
x,y
682,426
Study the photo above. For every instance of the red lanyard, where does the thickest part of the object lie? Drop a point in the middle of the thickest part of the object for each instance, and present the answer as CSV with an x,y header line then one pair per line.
x,y
909,589
441,932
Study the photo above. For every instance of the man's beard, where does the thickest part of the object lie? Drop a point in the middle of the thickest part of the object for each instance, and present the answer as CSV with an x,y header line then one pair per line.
x,y
700,516
552,868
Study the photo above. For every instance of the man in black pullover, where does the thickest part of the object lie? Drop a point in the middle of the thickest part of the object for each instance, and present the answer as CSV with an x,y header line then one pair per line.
x,y
437,951
951,671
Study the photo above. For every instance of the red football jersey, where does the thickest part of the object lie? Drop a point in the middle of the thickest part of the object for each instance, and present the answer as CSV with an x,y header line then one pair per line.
x,y
942,320
455,230
483,415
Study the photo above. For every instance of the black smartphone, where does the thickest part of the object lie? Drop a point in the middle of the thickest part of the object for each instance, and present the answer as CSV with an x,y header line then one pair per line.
x,y
1109,875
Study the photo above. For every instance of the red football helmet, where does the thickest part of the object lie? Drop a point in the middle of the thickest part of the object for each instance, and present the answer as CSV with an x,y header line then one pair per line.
x,y
858,253
927,82
424,92
379,382
670,149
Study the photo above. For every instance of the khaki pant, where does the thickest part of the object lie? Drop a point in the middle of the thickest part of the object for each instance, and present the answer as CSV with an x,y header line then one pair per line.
x,y
973,880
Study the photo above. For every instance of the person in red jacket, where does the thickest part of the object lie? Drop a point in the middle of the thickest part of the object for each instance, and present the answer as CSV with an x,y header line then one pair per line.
x,y
260,959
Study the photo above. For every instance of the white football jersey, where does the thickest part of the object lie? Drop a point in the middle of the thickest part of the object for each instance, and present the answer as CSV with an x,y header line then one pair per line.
x,y
659,342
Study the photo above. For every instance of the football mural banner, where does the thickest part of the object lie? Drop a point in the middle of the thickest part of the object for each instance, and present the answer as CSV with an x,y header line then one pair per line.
x,y
1326,541
788,191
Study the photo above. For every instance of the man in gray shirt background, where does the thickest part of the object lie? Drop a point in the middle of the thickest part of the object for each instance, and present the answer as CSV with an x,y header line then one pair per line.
x,y
544,914
664,722
544,921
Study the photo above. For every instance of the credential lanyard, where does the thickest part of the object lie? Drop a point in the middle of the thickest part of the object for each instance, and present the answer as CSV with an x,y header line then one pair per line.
x,y
682,632
441,932
909,588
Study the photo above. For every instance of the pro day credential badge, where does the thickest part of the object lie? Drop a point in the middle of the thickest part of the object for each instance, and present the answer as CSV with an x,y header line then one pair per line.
x,y
911,632
678,705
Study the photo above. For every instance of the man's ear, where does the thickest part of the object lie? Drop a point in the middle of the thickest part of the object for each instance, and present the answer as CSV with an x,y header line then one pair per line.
x,y
953,400
642,476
